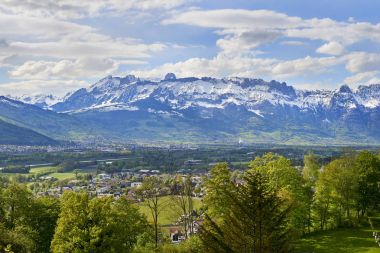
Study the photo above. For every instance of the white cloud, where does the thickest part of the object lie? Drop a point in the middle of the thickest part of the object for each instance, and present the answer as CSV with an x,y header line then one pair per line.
x,y
362,78
242,41
37,48
304,66
31,87
220,66
363,62
293,43
331,30
332,48
326,29
65,69
239,65
235,18
40,41
68,9
22,26
72,49
243,30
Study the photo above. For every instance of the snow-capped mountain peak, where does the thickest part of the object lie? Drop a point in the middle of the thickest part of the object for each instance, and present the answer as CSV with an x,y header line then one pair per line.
x,y
176,94
40,100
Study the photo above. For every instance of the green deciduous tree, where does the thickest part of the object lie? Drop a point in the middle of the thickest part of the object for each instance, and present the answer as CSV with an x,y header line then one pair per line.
x,y
150,192
288,182
183,201
310,174
336,194
219,188
367,169
96,225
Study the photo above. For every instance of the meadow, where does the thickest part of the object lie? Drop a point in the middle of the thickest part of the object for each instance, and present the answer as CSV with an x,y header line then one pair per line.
x,y
341,240
169,212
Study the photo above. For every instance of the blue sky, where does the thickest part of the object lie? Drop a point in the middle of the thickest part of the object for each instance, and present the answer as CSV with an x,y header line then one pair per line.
x,y
55,46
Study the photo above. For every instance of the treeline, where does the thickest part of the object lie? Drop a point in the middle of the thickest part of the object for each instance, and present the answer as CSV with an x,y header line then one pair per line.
x,y
15,169
57,157
273,203
168,160
263,209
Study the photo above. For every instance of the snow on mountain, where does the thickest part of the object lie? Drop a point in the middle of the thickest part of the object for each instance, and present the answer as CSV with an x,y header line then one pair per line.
x,y
214,109
40,100
116,93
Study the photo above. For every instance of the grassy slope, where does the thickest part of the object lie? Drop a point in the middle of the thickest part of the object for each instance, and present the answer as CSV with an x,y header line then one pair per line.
x,y
344,240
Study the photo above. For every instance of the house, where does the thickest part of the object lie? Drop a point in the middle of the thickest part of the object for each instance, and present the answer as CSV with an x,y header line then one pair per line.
x,y
176,235
136,184
103,190
104,176
192,162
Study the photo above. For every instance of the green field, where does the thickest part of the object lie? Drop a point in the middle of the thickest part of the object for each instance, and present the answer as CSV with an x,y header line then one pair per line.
x,y
344,240
43,170
52,172
62,176
169,214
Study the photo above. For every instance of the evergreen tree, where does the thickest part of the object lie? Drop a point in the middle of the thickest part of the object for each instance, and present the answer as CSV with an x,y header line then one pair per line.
x,y
256,221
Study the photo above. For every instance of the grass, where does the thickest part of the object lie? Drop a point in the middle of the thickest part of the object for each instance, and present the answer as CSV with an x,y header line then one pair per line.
x,y
52,172
43,170
343,240
63,175
169,213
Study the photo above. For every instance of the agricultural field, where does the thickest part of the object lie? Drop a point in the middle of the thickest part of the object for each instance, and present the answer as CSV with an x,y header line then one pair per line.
x,y
43,170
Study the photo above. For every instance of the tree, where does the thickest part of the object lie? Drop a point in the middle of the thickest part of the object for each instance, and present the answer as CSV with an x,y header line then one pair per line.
x,y
322,200
336,193
218,189
310,174
72,231
367,168
96,225
184,202
16,230
151,191
288,182
67,166
17,201
44,216
255,222
311,168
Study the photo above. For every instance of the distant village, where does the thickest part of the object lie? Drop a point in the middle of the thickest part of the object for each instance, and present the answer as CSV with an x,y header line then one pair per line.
x,y
119,183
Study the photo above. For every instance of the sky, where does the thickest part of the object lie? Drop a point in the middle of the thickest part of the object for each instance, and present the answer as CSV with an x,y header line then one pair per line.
x,y
57,46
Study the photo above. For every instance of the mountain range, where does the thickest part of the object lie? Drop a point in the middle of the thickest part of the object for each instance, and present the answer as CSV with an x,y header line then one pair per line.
x,y
201,110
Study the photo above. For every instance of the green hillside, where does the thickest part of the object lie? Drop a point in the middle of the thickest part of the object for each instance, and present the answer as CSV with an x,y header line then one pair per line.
x,y
15,135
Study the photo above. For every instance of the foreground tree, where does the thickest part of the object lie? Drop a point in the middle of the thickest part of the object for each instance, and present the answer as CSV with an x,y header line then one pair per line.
x,y
336,194
184,202
367,169
288,183
96,225
27,223
151,192
255,222
219,188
